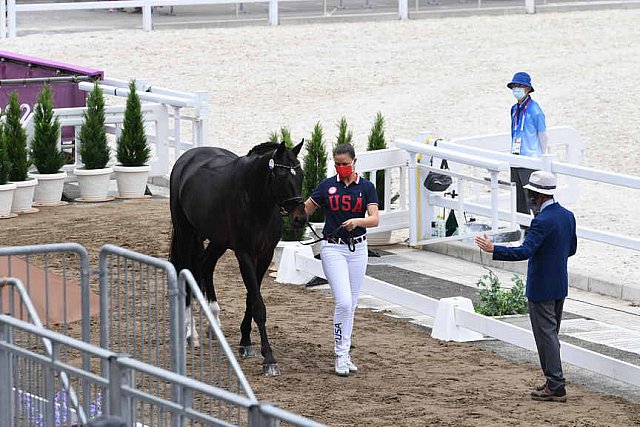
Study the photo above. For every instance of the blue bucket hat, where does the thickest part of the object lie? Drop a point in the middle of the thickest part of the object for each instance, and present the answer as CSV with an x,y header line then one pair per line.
x,y
521,78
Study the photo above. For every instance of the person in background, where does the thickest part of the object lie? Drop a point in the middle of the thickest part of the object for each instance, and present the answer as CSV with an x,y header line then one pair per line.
x,y
350,206
551,240
528,133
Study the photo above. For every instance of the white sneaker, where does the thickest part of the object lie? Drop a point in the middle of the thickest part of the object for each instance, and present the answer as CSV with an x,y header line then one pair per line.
x,y
352,368
342,366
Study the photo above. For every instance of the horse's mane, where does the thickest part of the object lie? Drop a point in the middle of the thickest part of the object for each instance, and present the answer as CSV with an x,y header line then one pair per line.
x,y
263,148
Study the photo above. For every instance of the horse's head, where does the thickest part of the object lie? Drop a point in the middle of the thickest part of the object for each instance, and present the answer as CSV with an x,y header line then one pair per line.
x,y
287,182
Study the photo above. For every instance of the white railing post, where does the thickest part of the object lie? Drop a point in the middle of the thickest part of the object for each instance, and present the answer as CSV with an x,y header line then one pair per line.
x,y
495,200
547,162
403,9
147,19
530,6
11,17
273,12
161,165
514,207
202,112
414,207
3,19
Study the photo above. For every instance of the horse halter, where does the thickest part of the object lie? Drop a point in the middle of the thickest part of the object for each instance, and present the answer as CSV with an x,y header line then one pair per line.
x,y
286,205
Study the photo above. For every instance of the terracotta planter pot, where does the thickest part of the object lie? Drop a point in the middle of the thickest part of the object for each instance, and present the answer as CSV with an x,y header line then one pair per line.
x,y
48,192
94,184
23,196
132,181
6,200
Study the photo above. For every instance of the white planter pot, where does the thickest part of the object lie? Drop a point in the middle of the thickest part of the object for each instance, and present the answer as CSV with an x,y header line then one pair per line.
x,y
6,199
132,181
94,184
23,196
378,238
48,192
277,252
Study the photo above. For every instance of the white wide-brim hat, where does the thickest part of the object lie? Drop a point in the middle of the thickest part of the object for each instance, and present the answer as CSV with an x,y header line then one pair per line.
x,y
542,182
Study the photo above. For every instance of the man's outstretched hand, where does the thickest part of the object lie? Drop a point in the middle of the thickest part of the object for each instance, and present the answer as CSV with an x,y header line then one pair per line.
x,y
484,243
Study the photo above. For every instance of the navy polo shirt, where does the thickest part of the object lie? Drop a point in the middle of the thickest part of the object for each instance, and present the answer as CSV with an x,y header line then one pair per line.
x,y
340,202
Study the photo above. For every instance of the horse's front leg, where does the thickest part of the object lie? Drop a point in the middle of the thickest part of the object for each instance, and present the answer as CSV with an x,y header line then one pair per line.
x,y
248,269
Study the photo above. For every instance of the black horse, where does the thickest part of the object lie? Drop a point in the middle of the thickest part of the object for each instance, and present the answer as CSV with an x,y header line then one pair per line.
x,y
235,203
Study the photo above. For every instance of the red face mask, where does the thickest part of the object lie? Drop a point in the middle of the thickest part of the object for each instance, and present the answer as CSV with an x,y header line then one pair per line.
x,y
344,171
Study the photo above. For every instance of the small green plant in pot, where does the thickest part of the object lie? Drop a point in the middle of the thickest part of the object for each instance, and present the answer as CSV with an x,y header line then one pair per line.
x,y
45,151
6,188
315,168
133,153
16,139
94,176
289,232
497,301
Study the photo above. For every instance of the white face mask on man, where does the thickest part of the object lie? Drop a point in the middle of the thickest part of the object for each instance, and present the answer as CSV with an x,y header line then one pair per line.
x,y
518,92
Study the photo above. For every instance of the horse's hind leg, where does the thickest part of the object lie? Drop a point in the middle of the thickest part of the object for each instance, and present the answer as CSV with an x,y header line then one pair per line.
x,y
210,258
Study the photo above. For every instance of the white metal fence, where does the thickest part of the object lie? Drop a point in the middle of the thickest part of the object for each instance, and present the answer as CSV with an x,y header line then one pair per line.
x,y
175,121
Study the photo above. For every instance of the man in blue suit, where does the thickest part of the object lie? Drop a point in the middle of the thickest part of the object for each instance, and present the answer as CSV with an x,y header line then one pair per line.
x,y
551,240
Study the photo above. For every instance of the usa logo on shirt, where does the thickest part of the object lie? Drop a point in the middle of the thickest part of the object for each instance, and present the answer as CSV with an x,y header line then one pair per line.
x,y
332,190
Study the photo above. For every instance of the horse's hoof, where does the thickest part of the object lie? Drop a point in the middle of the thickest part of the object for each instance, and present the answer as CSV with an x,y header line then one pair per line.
x,y
247,351
210,334
271,370
193,342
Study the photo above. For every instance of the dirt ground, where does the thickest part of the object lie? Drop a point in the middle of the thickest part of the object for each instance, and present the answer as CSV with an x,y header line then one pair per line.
x,y
405,378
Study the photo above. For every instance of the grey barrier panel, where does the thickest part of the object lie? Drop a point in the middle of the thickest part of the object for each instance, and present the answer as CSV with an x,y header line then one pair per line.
x,y
17,372
130,400
38,263
139,310
212,361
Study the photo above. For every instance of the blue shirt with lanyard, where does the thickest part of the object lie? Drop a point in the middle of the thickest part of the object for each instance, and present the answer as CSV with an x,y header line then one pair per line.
x,y
527,121
341,202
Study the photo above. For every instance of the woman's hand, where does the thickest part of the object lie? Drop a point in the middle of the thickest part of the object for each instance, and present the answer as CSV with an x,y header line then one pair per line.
x,y
352,223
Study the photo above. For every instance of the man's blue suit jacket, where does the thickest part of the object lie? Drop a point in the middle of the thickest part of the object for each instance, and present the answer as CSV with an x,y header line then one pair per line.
x,y
551,240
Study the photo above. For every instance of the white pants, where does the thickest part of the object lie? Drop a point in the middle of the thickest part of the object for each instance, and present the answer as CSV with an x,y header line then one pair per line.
x,y
344,270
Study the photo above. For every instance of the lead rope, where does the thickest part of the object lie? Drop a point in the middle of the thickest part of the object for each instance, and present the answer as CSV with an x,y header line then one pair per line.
x,y
351,244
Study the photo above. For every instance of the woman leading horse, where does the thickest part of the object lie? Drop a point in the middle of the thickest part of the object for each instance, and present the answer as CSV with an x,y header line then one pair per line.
x,y
234,203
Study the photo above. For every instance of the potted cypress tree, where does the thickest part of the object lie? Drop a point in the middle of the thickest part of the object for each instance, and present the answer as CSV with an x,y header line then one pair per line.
x,y
6,188
315,170
16,140
345,135
377,141
94,176
132,153
46,156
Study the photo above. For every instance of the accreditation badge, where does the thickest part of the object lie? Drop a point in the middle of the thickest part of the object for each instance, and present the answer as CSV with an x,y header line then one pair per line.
x,y
516,144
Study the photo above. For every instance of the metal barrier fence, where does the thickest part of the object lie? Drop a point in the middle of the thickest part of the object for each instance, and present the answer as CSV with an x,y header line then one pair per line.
x,y
126,389
22,379
139,307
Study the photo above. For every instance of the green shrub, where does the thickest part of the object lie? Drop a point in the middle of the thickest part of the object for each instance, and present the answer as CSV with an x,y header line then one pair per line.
x,y
5,164
345,135
16,141
376,141
315,167
132,143
45,153
289,232
94,149
497,301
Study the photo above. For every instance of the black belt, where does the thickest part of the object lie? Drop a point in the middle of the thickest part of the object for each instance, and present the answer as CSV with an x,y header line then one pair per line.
x,y
353,240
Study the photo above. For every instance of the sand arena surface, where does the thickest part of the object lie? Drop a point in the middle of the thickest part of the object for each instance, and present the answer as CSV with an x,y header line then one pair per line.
x,y
405,379
447,75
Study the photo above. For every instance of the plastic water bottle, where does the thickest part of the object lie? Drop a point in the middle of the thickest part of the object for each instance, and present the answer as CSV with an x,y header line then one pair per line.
x,y
441,227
